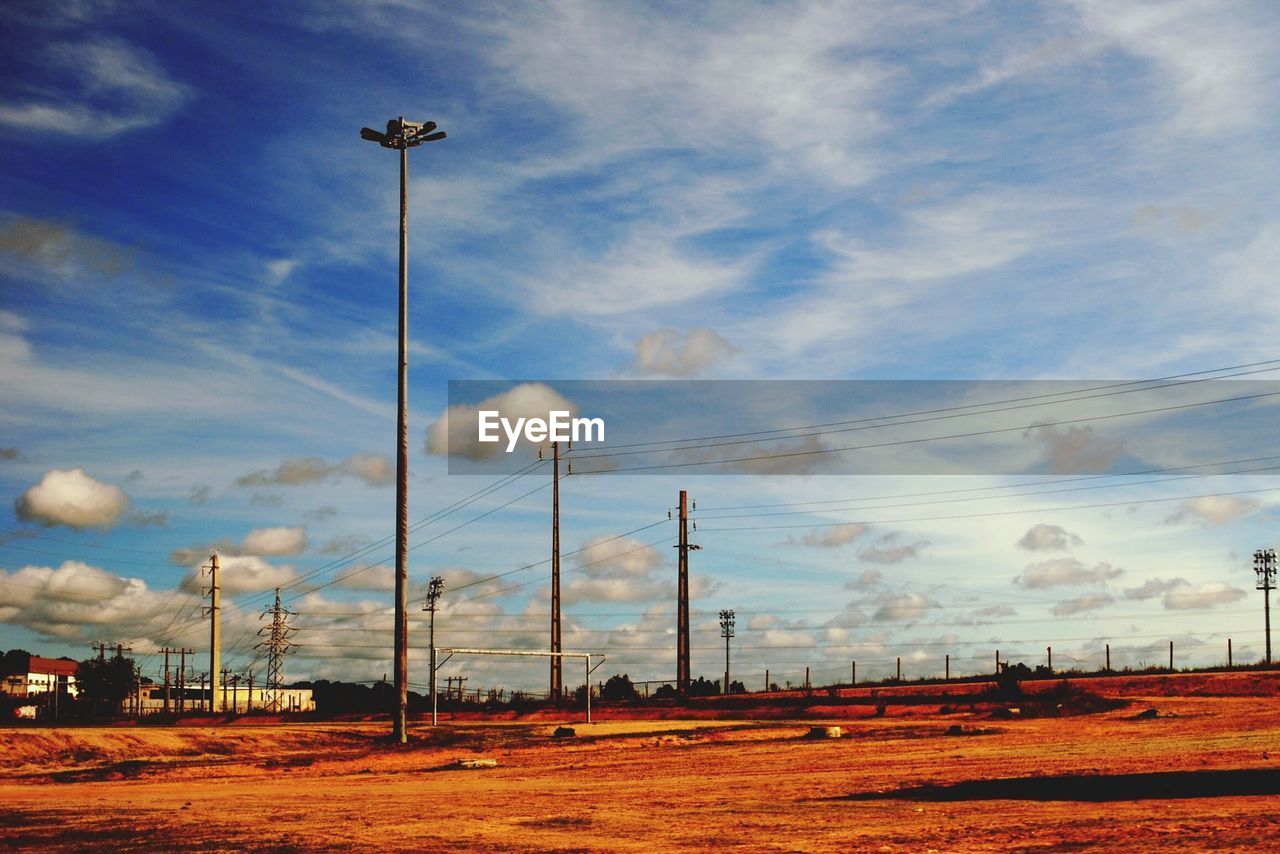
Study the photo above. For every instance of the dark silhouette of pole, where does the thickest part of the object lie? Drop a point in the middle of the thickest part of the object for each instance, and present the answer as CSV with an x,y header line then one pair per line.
x,y
1264,563
682,597
402,136
433,596
726,631
557,665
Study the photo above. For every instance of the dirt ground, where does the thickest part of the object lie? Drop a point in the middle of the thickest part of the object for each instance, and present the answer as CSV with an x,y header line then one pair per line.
x,y
1204,773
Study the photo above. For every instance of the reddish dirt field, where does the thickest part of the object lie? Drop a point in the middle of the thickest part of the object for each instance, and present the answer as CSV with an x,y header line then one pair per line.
x,y
1204,773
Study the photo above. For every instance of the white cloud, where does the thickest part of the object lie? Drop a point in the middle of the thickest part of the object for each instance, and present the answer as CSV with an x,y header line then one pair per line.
x,y
1188,597
834,536
243,574
1208,510
275,541
886,551
1153,587
867,580
1065,570
456,431
78,602
1210,61
119,87
623,557
373,469
1077,449
665,353
1081,604
904,608
376,577
1048,538
74,499
280,269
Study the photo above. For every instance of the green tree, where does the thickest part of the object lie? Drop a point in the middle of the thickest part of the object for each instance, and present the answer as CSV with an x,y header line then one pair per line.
x,y
105,684
619,688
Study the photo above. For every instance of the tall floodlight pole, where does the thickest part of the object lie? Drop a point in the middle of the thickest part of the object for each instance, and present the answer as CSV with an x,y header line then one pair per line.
x,y
402,135
433,596
726,631
1264,563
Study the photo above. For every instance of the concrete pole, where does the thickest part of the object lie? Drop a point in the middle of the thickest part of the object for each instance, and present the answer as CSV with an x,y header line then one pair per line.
x,y
1108,658
557,663
399,715
682,597
215,630
853,673
166,680
1049,650
947,672
1228,652
1171,656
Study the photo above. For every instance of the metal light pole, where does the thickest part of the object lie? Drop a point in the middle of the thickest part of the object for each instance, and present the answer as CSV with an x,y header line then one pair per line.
x,y
1264,563
433,595
726,631
402,135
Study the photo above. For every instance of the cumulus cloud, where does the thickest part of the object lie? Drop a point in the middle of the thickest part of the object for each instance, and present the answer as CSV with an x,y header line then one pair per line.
x,y
1209,510
74,499
77,600
243,574
373,469
1081,604
833,536
1065,570
885,550
275,541
867,580
905,608
1188,597
1077,450
1048,538
665,353
1153,587
620,569
456,431
373,577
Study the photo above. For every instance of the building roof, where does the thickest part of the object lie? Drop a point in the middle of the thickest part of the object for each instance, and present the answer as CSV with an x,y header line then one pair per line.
x,y
52,666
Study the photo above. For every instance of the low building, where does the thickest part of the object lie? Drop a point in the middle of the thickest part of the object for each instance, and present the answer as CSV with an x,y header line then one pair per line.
x,y
46,682
235,698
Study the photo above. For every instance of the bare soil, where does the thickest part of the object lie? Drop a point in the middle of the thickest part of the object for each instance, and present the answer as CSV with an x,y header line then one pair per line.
x,y
1202,773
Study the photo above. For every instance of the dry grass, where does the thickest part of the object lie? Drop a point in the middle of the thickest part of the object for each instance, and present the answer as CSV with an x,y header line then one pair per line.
x,y
647,785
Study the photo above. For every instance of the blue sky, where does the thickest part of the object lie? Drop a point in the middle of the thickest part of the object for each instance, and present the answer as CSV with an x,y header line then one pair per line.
x,y
197,305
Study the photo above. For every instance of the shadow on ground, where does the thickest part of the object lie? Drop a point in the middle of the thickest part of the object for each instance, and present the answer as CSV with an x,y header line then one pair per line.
x,y
1094,787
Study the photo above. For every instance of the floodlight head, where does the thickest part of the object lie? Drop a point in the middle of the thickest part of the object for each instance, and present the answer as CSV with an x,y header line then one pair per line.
x,y
373,135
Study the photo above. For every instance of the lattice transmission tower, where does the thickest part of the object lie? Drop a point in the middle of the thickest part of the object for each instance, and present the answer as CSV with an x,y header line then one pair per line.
x,y
277,645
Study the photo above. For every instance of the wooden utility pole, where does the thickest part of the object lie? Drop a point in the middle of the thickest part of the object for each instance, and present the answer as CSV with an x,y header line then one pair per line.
x,y
899,668
853,673
224,674
215,630
766,680
997,662
1108,658
1170,656
182,679
947,672
166,680
682,598
204,678
1228,652
248,703
557,665
1049,650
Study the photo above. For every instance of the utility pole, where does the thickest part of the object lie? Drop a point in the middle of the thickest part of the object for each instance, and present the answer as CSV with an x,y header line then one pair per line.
x,y
1108,658
215,627
1264,563
947,673
401,136
1228,653
899,677
682,597
248,703
557,665
277,645
235,692
1049,650
203,678
1170,656
166,680
434,590
853,674
726,632
182,679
